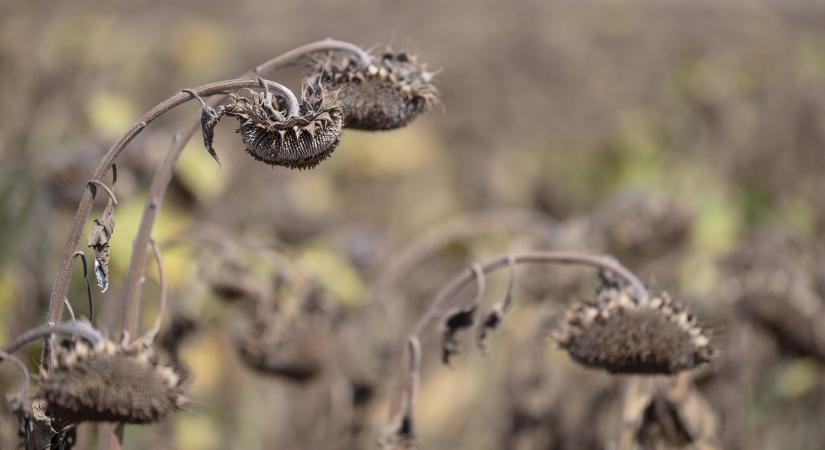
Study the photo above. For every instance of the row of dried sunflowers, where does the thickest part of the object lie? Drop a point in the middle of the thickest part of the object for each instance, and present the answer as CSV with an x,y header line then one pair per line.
x,y
90,378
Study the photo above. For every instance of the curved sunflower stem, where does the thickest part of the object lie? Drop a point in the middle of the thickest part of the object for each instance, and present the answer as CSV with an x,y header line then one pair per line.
x,y
164,172
324,45
152,334
23,393
552,257
76,328
476,272
130,303
61,283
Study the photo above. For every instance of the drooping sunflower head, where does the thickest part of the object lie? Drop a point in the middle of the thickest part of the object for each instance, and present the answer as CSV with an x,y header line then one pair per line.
x,y
298,142
389,93
111,383
621,335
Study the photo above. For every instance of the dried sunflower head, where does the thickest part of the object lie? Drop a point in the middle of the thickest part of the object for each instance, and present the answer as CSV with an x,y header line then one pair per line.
x,y
111,383
387,94
620,335
299,142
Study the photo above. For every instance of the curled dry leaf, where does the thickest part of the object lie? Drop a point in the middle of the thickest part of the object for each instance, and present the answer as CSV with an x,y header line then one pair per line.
x,y
99,236
462,317
622,336
209,120
457,320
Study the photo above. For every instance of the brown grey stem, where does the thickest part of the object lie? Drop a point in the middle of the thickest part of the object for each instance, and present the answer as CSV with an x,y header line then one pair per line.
x,y
325,45
152,334
82,256
77,328
24,389
105,188
476,272
130,302
554,257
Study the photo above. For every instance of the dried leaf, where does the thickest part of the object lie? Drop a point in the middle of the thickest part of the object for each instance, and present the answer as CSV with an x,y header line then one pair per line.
x,y
99,236
209,120
457,320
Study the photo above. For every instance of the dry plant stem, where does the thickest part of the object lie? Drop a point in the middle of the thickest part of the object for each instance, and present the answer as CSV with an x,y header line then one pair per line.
x,y
409,256
163,175
152,334
411,388
82,256
435,310
637,394
477,272
61,283
80,329
23,394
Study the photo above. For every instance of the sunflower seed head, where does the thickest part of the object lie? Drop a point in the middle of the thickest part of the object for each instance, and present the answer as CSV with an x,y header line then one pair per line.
x,y
299,142
390,93
111,383
621,336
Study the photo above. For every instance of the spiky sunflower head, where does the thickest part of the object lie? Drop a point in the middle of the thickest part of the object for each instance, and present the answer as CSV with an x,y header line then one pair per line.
x,y
389,93
621,335
270,135
109,382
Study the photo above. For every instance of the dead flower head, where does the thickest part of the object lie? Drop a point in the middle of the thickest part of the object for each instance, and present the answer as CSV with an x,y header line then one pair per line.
x,y
387,94
278,131
622,336
299,142
111,383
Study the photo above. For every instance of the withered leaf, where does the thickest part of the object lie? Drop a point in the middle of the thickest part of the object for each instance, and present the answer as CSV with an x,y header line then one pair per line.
x,y
98,240
209,120
490,323
457,320
496,314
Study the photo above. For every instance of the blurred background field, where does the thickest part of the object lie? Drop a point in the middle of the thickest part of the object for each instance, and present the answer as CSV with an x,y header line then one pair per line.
x,y
573,110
